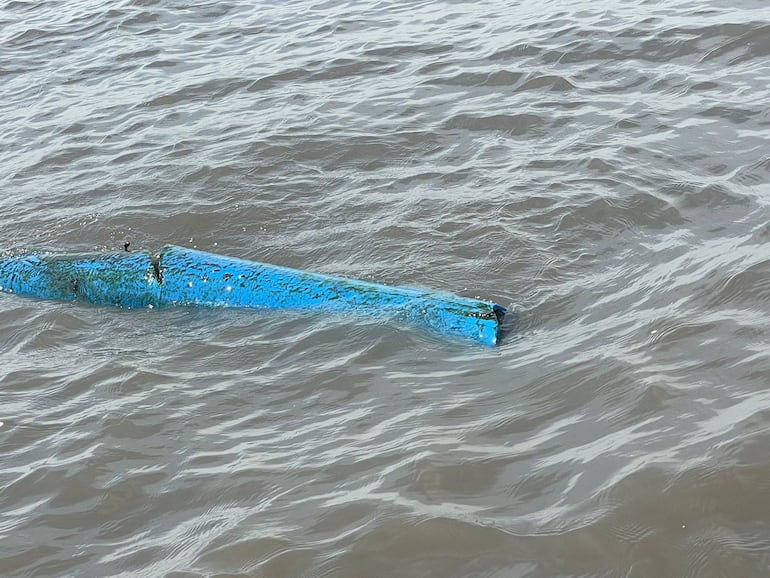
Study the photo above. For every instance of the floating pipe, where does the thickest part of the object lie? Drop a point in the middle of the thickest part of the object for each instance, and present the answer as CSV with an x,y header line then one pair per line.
x,y
180,276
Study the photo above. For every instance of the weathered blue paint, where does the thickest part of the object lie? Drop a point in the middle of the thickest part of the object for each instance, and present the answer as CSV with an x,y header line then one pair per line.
x,y
180,276
196,278
122,279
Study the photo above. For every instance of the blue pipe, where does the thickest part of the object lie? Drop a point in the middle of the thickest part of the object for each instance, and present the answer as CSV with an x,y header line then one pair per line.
x,y
180,276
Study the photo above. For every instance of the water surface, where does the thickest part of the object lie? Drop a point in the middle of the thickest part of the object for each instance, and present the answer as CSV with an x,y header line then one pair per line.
x,y
602,168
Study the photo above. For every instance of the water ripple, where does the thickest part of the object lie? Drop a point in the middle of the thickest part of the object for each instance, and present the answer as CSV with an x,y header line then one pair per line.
x,y
602,171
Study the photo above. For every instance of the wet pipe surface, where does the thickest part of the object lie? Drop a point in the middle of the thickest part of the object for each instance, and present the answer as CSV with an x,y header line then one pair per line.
x,y
185,277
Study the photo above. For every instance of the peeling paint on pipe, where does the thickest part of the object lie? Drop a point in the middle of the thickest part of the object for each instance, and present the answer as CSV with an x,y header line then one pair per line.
x,y
185,277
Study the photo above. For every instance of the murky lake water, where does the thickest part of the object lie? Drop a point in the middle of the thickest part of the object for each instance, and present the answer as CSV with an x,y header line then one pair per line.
x,y
603,168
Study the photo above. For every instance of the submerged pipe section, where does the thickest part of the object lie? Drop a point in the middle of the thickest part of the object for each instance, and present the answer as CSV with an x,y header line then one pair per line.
x,y
122,279
184,277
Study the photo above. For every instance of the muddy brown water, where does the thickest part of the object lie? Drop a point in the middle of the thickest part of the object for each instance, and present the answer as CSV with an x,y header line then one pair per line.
x,y
602,168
